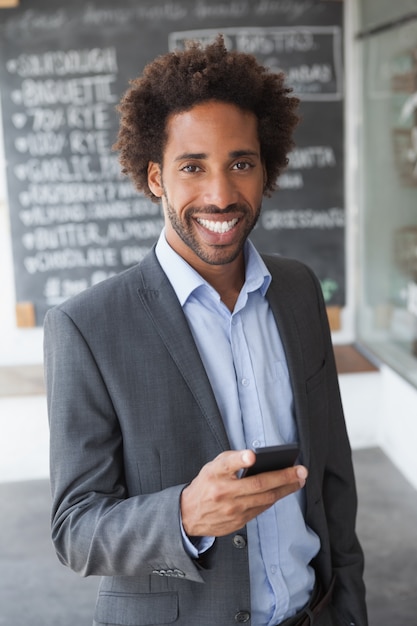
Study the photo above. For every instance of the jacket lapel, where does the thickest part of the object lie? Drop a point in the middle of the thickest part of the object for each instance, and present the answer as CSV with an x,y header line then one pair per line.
x,y
165,311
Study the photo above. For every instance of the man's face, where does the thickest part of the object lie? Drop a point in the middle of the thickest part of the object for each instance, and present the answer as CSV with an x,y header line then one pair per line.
x,y
211,182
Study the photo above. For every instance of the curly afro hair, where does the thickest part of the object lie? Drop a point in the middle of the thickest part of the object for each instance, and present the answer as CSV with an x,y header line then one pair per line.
x,y
177,81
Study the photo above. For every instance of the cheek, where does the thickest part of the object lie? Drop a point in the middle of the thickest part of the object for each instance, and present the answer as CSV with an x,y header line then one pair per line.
x,y
253,194
180,195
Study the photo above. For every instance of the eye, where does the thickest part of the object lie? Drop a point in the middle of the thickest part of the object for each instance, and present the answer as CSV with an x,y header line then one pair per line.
x,y
190,168
242,166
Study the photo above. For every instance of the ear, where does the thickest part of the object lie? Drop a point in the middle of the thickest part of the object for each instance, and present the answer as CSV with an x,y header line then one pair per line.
x,y
155,179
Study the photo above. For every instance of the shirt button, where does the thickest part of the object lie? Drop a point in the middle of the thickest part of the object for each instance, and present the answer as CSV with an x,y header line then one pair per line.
x,y
273,569
256,443
239,541
242,617
245,382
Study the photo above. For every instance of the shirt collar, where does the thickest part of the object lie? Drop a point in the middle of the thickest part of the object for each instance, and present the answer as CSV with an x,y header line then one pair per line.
x,y
185,280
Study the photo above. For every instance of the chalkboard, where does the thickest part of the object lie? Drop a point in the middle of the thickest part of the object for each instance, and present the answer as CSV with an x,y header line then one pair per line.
x,y
63,67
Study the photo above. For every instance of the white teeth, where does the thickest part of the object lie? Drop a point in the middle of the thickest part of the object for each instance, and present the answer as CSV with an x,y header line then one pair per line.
x,y
218,227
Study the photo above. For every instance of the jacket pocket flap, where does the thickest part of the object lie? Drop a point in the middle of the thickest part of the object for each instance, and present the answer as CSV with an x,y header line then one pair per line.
x,y
138,609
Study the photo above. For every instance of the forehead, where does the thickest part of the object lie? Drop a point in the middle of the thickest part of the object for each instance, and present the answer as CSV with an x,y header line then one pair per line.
x,y
212,127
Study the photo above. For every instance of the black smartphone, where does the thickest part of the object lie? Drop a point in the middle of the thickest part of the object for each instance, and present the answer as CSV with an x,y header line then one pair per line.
x,y
272,458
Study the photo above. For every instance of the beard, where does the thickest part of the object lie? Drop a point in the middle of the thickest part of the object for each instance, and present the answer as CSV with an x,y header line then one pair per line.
x,y
184,227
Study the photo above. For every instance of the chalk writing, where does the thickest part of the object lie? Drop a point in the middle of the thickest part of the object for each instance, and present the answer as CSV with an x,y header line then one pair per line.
x,y
233,9
70,258
79,91
86,233
257,41
292,9
62,193
312,156
76,210
59,169
36,21
121,16
303,219
43,216
306,158
291,180
64,62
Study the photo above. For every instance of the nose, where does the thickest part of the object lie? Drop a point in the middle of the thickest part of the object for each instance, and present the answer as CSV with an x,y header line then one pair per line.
x,y
220,191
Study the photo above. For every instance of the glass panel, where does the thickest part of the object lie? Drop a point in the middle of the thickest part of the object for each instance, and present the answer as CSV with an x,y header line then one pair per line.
x,y
387,317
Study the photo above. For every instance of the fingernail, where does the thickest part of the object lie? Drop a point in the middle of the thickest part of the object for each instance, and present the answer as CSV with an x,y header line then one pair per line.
x,y
245,457
302,472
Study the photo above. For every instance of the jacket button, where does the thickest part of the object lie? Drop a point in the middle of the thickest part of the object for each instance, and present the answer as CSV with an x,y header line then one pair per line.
x,y
242,617
239,541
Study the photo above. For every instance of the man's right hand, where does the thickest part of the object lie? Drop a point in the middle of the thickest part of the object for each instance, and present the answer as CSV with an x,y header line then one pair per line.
x,y
217,502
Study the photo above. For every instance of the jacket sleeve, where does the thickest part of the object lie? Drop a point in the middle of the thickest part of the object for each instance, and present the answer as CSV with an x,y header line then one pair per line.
x,y
97,527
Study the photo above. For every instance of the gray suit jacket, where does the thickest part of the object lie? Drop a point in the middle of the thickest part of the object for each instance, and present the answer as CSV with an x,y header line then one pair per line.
x,y
133,419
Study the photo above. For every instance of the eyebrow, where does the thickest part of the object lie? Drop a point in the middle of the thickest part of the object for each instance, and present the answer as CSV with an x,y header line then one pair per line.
x,y
191,155
203,155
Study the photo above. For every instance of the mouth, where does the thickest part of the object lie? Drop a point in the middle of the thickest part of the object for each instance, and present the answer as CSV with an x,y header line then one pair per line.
x,y
216,226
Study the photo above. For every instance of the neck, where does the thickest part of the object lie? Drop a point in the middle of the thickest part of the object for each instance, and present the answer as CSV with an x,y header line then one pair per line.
x,y
226,279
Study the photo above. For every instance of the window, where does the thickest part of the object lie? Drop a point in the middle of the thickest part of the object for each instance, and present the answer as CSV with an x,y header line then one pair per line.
x,y
387,311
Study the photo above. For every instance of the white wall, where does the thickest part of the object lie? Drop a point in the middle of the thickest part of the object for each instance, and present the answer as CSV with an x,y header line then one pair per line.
x,y
381,410
24,453
397,434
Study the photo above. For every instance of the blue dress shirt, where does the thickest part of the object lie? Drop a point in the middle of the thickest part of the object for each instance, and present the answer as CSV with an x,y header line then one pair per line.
x,y
245,362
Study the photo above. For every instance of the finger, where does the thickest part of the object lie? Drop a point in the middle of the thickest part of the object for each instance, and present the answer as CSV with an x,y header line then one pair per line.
x,y
302,474
263,501
292,477
263,490
232,461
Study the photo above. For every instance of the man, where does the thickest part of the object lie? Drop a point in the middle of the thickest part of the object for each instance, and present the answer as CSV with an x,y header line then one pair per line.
x,y
161,379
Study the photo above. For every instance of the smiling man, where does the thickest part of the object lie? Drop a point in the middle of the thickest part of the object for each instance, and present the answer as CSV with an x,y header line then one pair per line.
x,y
162,380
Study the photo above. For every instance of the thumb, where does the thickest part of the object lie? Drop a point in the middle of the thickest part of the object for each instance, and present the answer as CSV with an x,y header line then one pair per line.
x,y
248,458
233,461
